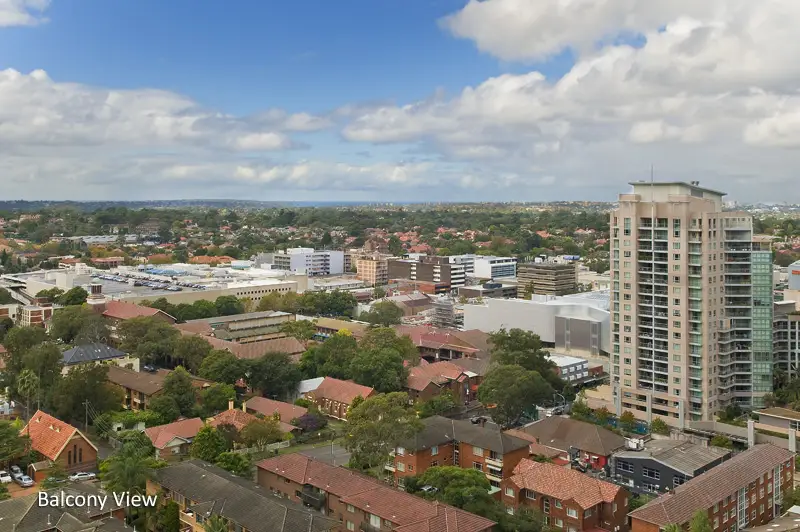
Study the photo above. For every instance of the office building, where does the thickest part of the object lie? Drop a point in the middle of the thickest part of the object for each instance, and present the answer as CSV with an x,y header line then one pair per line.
x,y
546,278
304,260
691,304
486,266
504,290
436,273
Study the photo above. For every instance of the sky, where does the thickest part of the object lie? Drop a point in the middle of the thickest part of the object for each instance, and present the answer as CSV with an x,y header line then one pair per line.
x,y
397,100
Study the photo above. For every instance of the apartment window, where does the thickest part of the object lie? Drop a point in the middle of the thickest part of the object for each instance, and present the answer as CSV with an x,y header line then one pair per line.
x,y
676,336
559,522
676,312
626,361
676,369
477,451
478,466
716,523
676,301
676,245
557,503
410,468
434,463
529,494
401,466
351,508
434,450
676,324
676,267
622,465
587,513
400,451
676,347
627,286
676,290
351,525
626,308
676,358
572,512
676,256
627,317
626,254
509,492
655,474
546,505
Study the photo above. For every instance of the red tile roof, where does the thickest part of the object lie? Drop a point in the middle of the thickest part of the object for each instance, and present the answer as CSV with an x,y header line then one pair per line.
x,y
341,391
409,513
268,407
237,418
50,435
438,373
163,434
433,338
706,490
562,483
123,310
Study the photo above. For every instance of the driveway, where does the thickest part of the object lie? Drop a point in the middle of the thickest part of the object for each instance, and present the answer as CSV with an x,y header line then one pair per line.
x,y
17,491
330,454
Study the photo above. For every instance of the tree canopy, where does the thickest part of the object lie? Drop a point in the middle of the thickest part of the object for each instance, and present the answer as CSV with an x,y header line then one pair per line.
x,y
513,391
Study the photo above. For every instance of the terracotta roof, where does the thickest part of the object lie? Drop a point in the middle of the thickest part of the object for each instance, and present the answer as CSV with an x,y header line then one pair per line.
x,y
563,433
269,407
433,338
123,310
236,417
252,350
438,373
341,391
50,435
409,513
163,434
563,484
705,490
534,447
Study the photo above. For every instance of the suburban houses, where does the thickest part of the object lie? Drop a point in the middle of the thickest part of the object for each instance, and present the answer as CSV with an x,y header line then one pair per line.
x,y
141,386
333,397
173,440
59,443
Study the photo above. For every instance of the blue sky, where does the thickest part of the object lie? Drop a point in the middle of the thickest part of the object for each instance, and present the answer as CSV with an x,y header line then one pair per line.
x,y
429,106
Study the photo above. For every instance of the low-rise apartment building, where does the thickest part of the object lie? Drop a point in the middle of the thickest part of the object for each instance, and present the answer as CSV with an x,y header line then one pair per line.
x,y
744,491
141,386
569,500
451,442
430,380
359,502
372,270
202,491
242,328
333,397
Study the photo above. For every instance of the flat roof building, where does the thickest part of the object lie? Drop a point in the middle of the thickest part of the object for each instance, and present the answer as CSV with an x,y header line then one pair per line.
x,y
544,278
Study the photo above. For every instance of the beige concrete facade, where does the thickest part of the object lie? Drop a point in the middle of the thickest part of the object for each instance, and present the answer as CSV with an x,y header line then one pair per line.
x,y
682,306
374,270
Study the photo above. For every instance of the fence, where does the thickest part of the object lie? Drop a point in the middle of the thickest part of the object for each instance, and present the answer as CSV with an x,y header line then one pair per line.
x,y
262,448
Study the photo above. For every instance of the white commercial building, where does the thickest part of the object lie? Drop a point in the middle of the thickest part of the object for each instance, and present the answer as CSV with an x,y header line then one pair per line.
x,y
486,266
575,324
306,260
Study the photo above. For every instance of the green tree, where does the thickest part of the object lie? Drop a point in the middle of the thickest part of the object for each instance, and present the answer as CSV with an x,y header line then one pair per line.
x,y
262,432
525,349
381,369
791,497
27,387
332,358
45,361
395,246
6,324
70,322
168,517
658,426
580,410
378,338
129,469
223,366
73,296
378,293
18,342
638,502
274,374
149,338
437,405
178,385
215,523
513,391
6,298
228,306
4,493
603,415
670,528
384,313
627,421
190,351
12,444
215,398
463,488
237,463
165,406
51,293
700,522
721,441
376,426
302,330
208,444
85,383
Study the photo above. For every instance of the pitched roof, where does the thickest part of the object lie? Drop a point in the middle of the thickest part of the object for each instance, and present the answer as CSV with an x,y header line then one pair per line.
x,y
705,490
185,429
535,447
433,338
90,353
409,513
563,484
438,373
358,329
563,433
269,407
238,418
438,430
218,492
252,350
122,310
144,381
50,435
683,456
341,391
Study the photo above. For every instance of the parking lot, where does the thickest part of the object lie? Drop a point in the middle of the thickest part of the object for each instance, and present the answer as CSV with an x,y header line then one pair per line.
x,y
330,454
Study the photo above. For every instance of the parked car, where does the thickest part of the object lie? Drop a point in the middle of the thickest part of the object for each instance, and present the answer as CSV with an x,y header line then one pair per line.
x,y
25,481
16,472
5,478
82,476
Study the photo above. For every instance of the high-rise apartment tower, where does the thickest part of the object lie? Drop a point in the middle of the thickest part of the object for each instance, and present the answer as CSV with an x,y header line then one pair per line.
x,y
691,308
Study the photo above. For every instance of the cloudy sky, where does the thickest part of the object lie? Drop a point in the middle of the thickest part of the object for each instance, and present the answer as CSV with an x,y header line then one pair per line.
x,y
397,100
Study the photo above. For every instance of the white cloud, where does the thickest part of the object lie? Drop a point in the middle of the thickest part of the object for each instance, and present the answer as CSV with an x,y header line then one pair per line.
x,y
711,92
22,12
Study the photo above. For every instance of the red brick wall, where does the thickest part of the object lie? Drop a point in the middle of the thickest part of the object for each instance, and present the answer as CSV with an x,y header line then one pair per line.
x,y
77,448
416,463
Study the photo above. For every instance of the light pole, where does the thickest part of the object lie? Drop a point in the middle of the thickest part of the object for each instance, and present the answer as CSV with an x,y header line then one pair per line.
x,y
564,399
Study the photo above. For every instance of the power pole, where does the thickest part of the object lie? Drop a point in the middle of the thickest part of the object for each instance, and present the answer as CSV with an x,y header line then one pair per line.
x,y
86,416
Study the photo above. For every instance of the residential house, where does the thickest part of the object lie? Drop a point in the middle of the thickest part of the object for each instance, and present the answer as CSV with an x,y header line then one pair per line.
x,y
661,465
141,386
577,440
430,380
333,396
96,353
172,441
569,500
60,443
202,491
435,344
24,514
284,412
236,417
744,491
327,327
450,442
359,502
535,449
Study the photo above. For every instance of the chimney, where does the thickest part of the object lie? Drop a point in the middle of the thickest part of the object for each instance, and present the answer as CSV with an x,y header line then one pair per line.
x,y
230,404
244,406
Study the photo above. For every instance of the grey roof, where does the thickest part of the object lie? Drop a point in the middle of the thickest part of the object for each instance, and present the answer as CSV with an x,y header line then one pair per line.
x,y
240,317
563,433
90,353
25,515
438,430
682,456
218,492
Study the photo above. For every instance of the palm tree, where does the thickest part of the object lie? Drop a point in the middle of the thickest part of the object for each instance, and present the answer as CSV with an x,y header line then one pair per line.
x,y
673,528
27,385
127,471
216,524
